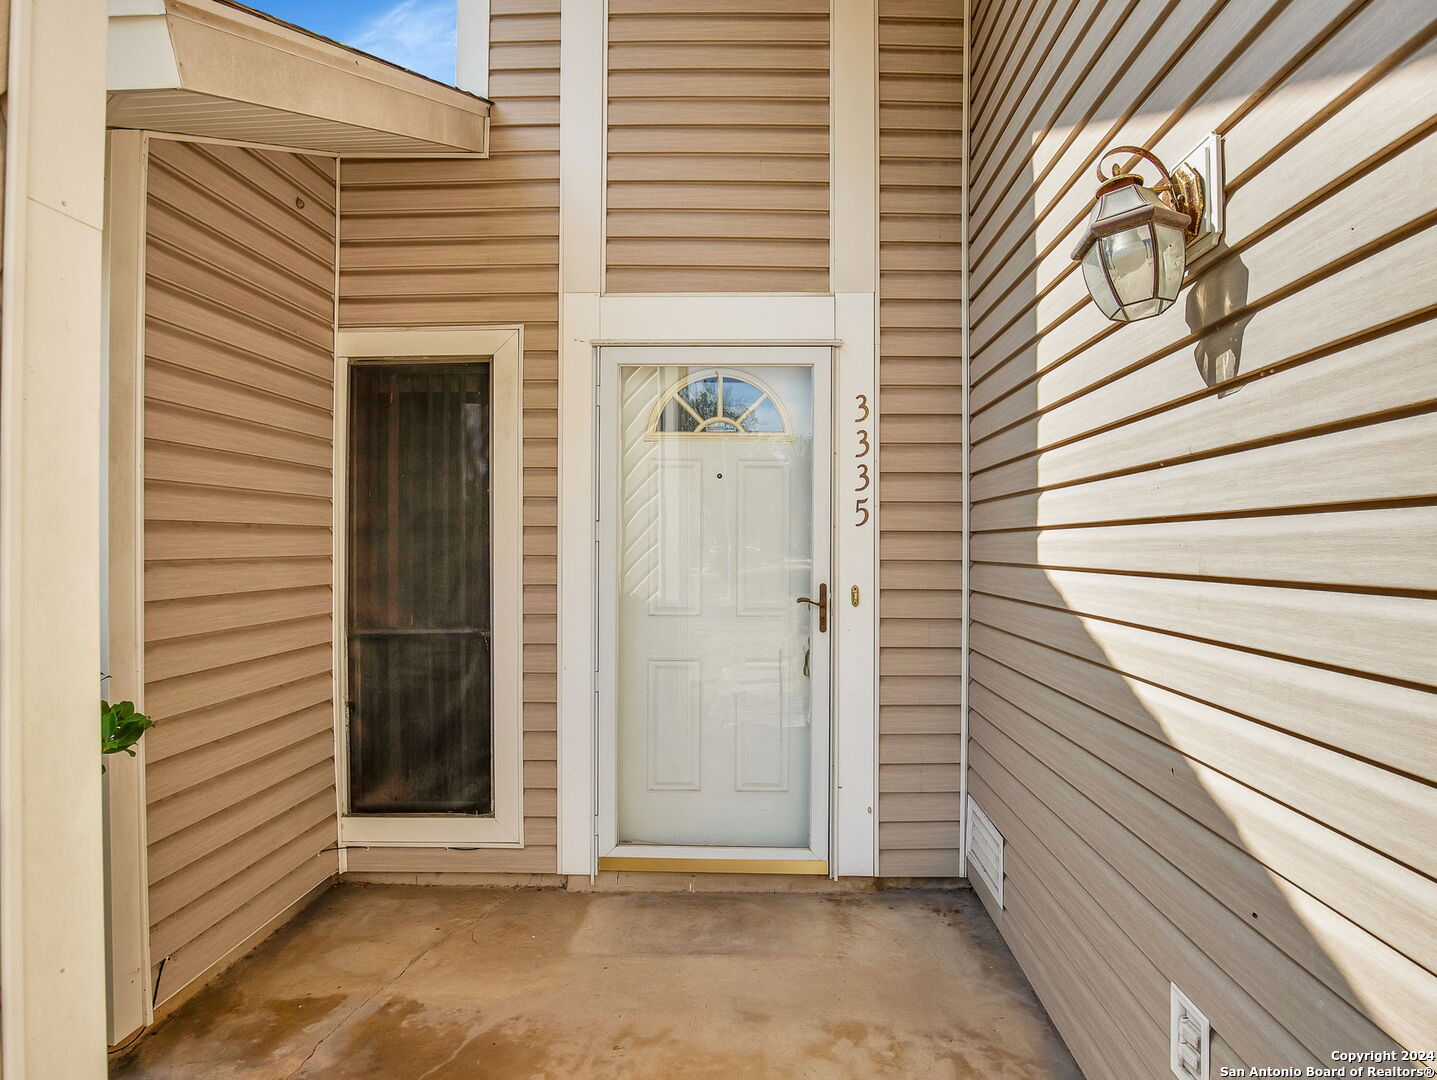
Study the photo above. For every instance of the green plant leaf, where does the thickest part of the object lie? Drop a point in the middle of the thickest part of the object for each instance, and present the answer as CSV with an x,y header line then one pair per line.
x,y
121,726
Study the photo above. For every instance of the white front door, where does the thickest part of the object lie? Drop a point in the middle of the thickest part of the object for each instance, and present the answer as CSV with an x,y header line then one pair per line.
x,y
719,669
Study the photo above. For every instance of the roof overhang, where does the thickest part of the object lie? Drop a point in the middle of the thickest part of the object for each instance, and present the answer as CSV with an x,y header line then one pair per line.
x,y
216,69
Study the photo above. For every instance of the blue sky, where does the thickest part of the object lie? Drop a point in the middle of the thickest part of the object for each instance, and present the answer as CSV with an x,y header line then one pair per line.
x,y
417,34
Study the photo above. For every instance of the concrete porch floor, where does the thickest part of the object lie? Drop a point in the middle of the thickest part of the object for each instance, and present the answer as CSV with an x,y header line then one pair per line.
x,y
407,982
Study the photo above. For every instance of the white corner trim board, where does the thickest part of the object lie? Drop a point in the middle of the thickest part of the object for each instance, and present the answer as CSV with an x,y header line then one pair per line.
x,y
126,821
52,917
581,179
471,50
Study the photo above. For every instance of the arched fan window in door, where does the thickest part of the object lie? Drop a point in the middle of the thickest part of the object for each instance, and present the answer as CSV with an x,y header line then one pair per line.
x,y
718,402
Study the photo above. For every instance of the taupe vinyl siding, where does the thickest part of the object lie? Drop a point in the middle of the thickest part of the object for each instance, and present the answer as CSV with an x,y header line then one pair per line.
x,y
239,353
462,243
1204,631
920,61
717,146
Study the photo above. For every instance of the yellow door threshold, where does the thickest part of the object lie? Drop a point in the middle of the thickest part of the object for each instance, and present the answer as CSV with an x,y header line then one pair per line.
x,y
714,866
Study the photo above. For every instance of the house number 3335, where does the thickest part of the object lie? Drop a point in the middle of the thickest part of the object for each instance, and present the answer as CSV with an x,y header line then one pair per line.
x,y
865,447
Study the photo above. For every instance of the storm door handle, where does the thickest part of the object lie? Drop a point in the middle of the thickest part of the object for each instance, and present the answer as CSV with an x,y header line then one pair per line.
x,y
822,604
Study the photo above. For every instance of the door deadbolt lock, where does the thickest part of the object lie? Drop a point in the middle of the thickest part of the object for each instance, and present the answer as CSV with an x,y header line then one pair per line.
x,y
822,604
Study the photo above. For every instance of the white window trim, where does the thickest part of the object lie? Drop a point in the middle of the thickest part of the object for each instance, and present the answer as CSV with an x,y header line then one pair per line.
x,y
503,346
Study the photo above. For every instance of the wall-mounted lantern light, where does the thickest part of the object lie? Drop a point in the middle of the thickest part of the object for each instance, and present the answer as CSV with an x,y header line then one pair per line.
x,y
1138,239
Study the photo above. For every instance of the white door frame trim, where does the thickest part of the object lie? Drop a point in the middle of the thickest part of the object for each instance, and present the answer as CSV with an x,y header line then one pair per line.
x,y
854,182
503,346
853,710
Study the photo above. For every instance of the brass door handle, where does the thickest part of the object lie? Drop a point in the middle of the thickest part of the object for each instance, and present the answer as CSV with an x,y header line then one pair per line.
x,y
822,604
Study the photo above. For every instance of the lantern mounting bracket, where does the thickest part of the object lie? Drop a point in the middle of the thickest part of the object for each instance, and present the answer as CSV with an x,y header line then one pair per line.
x,y
1205,162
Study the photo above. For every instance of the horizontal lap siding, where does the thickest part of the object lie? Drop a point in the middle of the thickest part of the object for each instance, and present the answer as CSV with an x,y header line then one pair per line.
x,y
717,147
239,353
1204,629
455,243
920,62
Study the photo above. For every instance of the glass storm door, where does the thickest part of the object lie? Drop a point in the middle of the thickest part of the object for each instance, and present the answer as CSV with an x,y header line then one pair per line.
x,y
420,730
721,671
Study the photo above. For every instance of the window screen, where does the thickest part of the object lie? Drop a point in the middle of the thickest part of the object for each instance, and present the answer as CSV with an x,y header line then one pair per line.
x,y
420,718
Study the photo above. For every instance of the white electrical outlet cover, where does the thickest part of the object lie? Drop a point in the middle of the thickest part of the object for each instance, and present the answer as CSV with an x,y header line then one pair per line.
x,y
1181,1006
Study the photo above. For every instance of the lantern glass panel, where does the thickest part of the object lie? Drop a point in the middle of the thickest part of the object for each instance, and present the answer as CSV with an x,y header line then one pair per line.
x,y
1124,198
1172,260
1097,283
1144,309
1130,256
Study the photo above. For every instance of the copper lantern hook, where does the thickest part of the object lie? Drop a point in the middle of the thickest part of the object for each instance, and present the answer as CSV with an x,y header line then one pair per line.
x,y
1133,151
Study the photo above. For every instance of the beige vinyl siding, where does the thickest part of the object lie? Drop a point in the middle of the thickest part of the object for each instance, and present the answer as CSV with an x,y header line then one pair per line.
x,y
920,62
239,355
473,243
717,147
1204,630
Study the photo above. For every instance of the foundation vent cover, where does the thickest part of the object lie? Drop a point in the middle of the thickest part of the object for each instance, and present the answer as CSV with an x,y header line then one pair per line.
x,y
985,849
